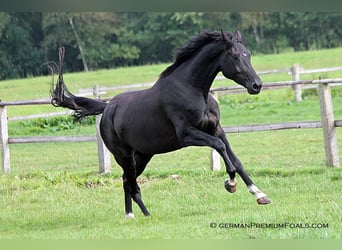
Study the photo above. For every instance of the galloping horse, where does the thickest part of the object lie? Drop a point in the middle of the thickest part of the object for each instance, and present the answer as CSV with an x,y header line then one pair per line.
x,y
176,112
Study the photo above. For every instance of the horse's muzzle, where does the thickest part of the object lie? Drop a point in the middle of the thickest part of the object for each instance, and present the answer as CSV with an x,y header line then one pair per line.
x,y
255,88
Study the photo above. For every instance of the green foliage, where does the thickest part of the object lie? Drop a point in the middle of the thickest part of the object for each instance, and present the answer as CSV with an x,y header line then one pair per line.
x,y
51,125
98,40
79,180
4,20
21,55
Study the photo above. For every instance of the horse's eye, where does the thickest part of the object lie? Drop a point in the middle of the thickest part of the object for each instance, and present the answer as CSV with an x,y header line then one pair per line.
x,y
235,58
244,53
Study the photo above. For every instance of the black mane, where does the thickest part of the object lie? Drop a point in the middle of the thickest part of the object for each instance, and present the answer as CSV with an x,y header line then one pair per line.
x,y
196,43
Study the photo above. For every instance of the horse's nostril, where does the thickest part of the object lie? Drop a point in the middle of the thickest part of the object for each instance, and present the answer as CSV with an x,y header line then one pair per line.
x,y
256,86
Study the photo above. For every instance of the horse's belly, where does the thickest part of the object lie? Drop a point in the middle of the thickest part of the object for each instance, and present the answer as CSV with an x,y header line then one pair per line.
x,y
154,141
159,148
150,137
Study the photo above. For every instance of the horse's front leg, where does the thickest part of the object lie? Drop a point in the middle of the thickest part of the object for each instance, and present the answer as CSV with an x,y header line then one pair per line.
x,y
191,136
261,197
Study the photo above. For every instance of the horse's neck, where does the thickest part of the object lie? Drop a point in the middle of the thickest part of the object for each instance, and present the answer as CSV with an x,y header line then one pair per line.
x,y
201,70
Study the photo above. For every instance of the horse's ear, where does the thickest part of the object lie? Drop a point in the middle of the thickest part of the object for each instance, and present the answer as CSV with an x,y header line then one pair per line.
x,y
227,39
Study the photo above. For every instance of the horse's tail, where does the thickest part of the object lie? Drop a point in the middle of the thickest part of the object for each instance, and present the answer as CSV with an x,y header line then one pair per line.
x,y
62,97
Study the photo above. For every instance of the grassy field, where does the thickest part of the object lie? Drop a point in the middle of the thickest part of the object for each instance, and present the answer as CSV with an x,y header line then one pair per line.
x,y
55,192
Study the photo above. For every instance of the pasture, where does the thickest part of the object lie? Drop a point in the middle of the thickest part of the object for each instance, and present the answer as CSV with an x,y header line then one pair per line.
x,y
55,192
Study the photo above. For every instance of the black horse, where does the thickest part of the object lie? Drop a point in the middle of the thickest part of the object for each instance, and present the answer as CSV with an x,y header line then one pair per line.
x,y
176,112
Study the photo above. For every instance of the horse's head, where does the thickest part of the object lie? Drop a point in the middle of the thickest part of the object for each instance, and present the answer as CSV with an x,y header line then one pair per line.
x,y
236,64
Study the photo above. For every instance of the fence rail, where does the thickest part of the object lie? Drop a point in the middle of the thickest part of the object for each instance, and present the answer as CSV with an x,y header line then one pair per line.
x,y
273,126
327,123
44,139
296,70
282,84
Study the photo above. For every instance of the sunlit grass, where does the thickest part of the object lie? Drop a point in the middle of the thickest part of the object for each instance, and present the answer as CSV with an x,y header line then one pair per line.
x,y
35,207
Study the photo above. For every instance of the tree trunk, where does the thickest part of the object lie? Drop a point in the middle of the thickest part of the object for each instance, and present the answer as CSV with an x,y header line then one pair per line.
x,y
256,35
85,66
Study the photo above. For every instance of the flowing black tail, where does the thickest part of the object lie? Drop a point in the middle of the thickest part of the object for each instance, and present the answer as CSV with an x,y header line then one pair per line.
x,y
62,97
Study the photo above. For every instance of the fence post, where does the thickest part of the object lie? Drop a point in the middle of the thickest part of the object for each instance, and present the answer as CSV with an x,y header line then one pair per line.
x,y
296,77
5,153
328,124
103,153
215,157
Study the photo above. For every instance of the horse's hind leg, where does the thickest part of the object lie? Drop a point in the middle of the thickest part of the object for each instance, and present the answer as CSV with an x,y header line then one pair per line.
x,y
230,185
133,165
126,164
141,161
132,191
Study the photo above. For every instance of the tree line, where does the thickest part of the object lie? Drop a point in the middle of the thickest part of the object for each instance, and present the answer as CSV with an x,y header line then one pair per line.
x,y
97,40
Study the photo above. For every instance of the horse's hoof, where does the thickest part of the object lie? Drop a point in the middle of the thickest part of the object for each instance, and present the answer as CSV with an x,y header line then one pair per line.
x,y
129,216
263,200
230,187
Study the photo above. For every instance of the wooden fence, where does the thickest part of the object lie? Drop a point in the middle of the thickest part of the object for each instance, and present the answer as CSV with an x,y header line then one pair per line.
x,y
296,70
5,141
327,123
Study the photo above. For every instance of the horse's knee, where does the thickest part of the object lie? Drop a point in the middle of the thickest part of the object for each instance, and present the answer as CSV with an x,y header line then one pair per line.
x,y
220,147
131,187
136,196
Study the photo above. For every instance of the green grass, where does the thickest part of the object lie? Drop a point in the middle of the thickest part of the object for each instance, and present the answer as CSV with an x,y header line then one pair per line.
x,y
76,206
55,192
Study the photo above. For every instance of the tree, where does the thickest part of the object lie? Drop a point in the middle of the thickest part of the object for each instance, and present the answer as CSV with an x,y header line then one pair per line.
x,y
78,42
5,18
95,35
20,46
158,34
95,40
